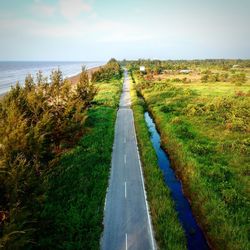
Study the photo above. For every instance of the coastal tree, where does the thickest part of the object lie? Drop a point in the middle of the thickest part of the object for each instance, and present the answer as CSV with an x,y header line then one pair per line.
x,y
37,122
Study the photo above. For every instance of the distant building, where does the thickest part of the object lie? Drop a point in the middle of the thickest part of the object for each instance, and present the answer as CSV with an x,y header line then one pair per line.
x,y
142,69
185,71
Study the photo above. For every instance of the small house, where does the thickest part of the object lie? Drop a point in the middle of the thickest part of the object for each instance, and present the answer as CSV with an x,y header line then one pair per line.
x,y
142,69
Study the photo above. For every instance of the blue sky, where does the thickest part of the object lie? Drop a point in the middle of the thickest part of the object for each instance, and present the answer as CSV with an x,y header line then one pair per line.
x,y
132,29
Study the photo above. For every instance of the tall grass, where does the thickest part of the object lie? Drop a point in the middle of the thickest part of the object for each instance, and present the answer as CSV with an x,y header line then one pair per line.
x,y
168,231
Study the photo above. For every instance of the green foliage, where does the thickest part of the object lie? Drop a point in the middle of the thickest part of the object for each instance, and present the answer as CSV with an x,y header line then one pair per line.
x,y
214,77
204,65
85,90
112,70
38,123
232,112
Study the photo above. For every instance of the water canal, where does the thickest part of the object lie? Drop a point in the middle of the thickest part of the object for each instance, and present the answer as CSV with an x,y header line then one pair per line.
x,y
194,234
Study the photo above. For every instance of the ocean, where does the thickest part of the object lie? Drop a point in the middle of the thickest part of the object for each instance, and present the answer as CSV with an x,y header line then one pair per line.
x,y
12,72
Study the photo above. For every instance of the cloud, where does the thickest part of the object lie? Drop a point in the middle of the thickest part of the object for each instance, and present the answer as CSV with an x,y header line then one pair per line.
x,y
35,28
69,9
42,8
73,8
99,30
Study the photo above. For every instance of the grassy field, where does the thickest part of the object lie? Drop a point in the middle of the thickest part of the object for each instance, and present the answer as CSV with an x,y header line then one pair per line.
x,y
168,232
73,212
205,127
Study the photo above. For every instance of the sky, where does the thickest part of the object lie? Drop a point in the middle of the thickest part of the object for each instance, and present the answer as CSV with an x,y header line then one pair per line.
x,y
76,30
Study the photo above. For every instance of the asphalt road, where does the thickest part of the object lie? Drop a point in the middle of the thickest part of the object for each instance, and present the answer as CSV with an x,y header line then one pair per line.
x,y
126,219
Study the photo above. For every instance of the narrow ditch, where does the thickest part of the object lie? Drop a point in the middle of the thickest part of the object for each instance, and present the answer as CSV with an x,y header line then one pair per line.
x,y
194,234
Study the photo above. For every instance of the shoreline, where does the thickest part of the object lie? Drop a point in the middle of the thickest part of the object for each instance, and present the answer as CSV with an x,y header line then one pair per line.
x,y
76,77
73,79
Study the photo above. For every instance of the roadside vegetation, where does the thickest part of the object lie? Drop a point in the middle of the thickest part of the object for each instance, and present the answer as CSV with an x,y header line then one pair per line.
x,y
55,160
168,231
204,125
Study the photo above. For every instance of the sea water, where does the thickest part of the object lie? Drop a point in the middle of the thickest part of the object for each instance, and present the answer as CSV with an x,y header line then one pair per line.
x,y
12,72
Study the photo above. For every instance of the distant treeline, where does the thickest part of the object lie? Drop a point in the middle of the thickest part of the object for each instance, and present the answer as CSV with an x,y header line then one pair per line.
x,y
233,71
39,122
159,65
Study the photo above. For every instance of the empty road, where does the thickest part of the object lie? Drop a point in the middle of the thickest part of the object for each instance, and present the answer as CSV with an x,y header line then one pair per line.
x,y
126,219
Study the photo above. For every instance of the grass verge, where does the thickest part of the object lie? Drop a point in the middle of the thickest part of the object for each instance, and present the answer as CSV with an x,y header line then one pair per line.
x,y
73,211
206,134
168,231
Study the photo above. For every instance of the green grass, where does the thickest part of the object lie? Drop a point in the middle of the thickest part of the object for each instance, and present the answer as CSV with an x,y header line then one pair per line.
x,y
216,89
73,213
205,129
168,231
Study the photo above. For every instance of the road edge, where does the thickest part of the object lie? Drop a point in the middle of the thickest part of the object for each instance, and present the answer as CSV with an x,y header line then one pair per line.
x,y
153,242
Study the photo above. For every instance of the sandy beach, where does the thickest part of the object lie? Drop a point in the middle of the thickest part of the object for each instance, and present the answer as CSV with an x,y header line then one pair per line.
x,y
75,79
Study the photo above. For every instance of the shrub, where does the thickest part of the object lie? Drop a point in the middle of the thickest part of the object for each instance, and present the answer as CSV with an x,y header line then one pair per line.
x,y
205,78
184,131
238,78
224,77
167,109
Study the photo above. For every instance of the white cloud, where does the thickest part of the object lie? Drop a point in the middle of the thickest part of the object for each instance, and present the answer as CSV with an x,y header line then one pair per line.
x,y
73,8
100,30
69,9
34,28
42,8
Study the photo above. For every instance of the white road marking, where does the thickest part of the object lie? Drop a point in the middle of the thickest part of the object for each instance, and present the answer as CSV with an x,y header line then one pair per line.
x,y
105,203
125,159
124,139
125,187
126,242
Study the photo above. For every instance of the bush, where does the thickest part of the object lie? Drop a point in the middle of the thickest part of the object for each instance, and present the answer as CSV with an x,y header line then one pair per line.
x,y
238,78
224,77
167,109
205,78
184,131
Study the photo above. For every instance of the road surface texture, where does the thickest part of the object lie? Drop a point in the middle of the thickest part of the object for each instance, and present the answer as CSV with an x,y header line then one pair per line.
x,y
127,223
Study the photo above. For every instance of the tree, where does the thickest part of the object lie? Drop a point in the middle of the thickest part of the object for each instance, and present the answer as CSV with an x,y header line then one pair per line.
x,y
36,122
111,70
85,90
